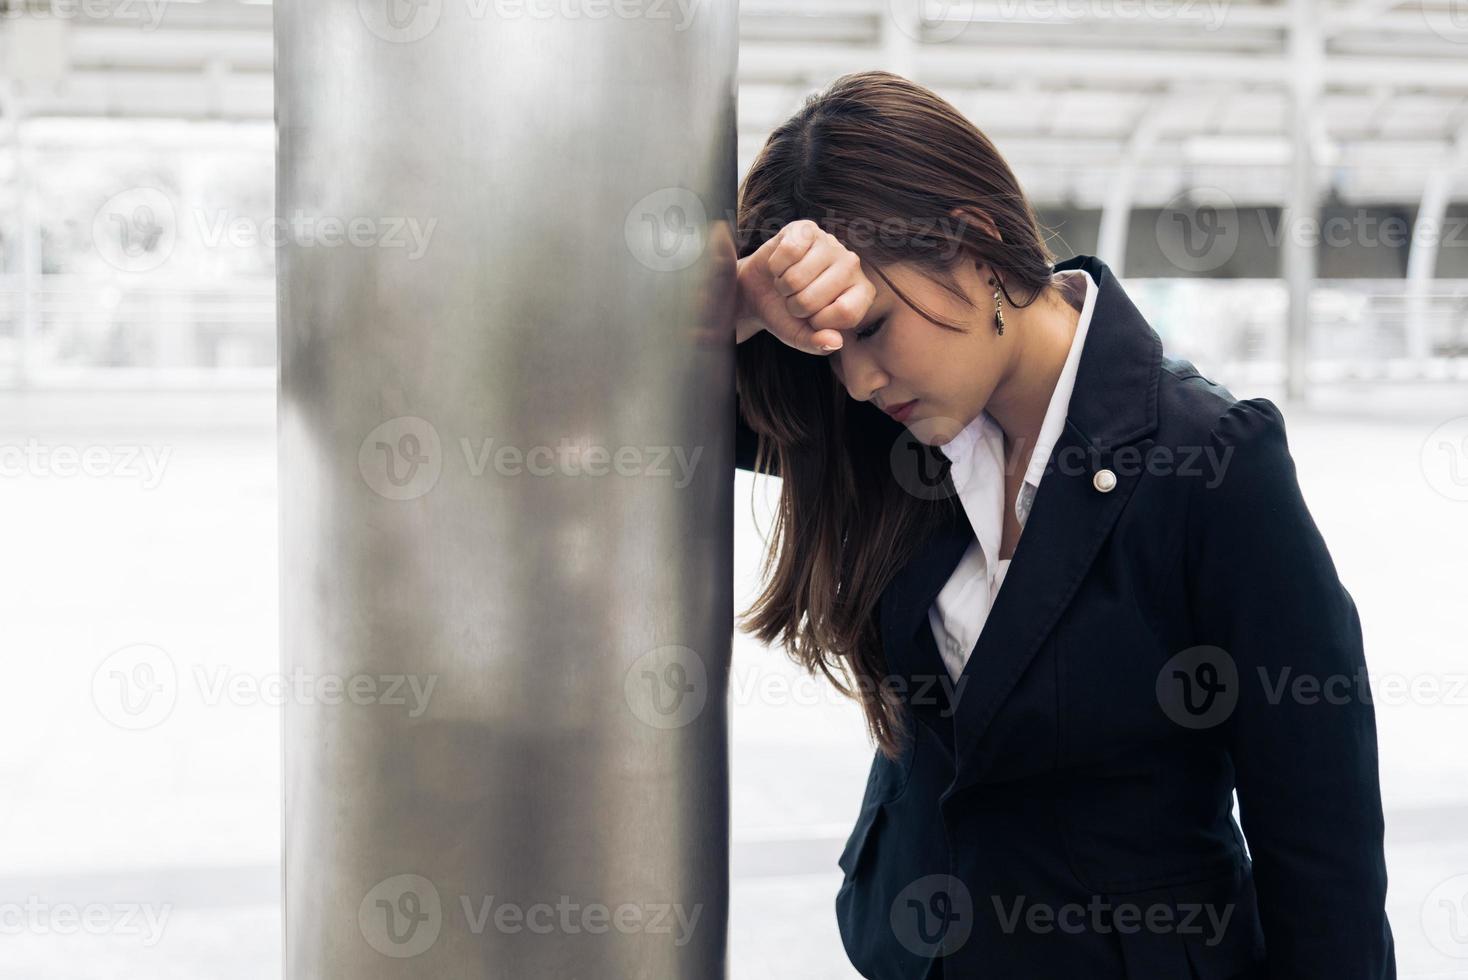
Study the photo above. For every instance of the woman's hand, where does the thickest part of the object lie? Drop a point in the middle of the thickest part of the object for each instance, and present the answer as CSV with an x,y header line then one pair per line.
x,y
804,287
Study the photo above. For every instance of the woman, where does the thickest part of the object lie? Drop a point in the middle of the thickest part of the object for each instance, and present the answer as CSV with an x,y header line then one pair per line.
x,y
1058,739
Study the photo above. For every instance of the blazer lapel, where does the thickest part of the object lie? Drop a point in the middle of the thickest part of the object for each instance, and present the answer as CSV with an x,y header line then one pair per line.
x,y
1113,404
903,617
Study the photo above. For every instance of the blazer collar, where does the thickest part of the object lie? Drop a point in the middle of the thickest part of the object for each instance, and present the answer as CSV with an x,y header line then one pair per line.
x,y
1115,398
1113,404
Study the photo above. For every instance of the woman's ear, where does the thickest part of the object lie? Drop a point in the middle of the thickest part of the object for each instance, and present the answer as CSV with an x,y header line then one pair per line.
x,y
974,216
985,224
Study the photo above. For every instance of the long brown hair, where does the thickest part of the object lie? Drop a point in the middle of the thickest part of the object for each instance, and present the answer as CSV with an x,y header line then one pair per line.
x,y
879,162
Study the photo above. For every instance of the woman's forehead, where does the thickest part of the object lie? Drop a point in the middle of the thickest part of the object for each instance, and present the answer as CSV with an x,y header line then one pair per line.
x,y
904,275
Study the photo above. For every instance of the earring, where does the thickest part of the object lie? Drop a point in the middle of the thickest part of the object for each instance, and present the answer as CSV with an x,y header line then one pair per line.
x,y
998,308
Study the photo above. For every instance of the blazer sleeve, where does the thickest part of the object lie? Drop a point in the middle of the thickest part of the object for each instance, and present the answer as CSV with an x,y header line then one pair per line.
x,y
746,443
1302,734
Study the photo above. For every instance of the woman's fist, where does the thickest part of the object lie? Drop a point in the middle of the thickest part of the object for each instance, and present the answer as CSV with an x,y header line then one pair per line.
x,y
804,287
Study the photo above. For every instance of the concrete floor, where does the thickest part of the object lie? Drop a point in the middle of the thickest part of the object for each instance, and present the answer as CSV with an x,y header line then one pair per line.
x,y
172,832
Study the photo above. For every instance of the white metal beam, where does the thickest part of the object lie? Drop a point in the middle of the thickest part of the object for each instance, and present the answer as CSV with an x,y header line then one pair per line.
x,y
1427,232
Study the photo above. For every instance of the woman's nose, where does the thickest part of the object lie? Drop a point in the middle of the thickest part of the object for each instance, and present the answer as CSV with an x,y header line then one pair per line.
x,y
859,373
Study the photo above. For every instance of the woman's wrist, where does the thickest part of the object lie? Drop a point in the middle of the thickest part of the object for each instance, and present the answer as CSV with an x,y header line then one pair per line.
x,y
746,327
746,322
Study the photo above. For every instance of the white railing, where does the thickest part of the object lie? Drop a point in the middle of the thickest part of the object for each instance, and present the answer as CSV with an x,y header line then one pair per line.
x,y
76,331
88,333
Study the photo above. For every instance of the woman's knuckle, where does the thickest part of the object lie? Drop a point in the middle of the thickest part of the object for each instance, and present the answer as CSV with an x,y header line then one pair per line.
x,y
834,316
803,230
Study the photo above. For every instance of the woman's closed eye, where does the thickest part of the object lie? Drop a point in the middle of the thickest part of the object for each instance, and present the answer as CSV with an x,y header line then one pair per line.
x,y
866,332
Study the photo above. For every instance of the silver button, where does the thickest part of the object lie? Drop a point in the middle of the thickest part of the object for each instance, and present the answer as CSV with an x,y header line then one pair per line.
x,y
1104,480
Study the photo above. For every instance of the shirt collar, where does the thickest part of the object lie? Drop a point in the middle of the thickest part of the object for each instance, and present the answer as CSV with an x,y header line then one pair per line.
x,y
1055,414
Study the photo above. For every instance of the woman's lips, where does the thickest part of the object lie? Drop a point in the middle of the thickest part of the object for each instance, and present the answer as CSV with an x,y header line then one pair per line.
x,y
901,412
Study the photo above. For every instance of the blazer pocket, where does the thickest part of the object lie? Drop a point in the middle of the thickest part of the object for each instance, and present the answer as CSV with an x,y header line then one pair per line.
x,y
851,854
1206,929
1227,942
886,781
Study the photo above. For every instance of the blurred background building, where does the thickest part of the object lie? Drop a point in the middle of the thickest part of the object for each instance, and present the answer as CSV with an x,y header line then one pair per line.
x,y
1283,188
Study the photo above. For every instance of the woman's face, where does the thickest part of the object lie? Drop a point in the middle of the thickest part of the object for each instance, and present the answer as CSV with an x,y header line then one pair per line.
x,y
896,355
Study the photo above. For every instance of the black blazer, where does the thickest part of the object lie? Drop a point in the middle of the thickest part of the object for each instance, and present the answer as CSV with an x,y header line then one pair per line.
x,y
1064,810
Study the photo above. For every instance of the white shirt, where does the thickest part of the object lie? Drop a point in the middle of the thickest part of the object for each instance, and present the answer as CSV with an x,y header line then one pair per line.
x,y
958,614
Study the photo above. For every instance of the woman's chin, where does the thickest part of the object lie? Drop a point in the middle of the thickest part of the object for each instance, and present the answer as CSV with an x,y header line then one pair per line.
x,y
935,431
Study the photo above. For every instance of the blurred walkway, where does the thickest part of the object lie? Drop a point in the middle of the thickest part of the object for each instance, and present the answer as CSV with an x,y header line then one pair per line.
x,y
173,545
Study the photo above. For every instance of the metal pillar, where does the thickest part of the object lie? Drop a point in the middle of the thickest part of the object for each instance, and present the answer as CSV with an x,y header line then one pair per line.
x,y
506,458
